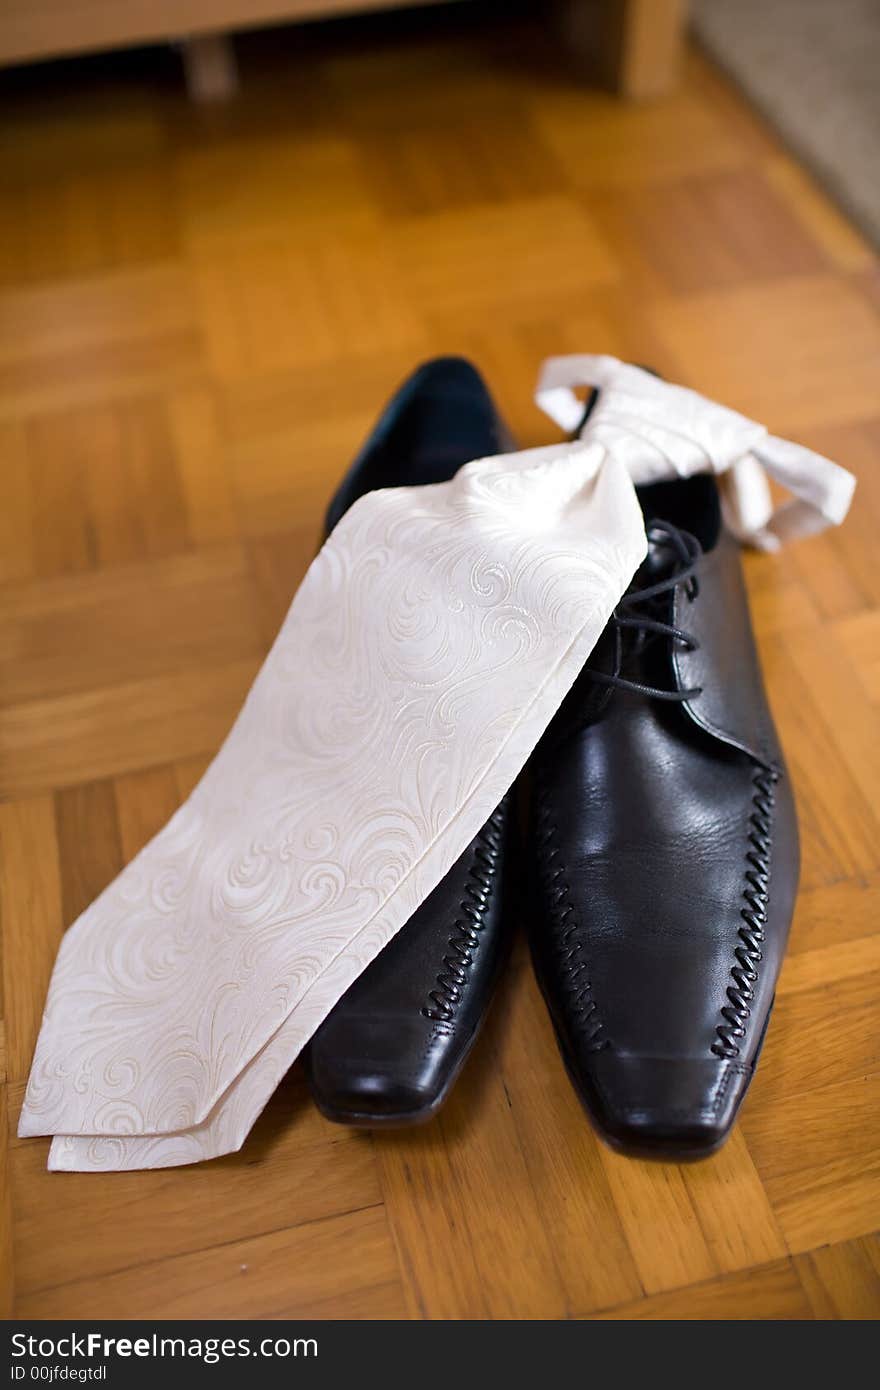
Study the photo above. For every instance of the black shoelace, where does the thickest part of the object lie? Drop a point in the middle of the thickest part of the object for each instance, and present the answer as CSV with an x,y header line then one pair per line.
x,y
634,612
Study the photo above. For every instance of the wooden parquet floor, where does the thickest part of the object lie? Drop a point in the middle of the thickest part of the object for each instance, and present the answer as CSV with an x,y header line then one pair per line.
x,y
200,315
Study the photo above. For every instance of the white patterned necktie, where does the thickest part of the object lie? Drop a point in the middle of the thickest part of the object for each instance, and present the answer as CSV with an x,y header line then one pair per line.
x,y
426,651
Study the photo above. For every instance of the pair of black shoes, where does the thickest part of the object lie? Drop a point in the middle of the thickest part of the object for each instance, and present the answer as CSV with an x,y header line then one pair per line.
x,y
661,851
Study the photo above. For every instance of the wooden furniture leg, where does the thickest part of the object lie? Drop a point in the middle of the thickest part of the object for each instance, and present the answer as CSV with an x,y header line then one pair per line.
x,y
632,46
210,67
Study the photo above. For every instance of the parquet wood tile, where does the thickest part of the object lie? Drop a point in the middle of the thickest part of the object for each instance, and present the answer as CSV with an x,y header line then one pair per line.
x,y
770,1292
201,314
271,305
827,965
299,189
821,219
89,843
292,1272
795,352
84,222
859,637
144,802
105,626
198,446
821,1178
563,1157
293,1159
823,1035
839,827
7,1254
826,917
119,728
79,313
601,143
473,162
440,1272
477,258
115,128
738,230
843,1281
660,1221
32,921
733,1209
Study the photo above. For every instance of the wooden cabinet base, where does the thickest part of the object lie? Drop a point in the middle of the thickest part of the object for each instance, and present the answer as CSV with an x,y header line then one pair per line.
x,y
632,46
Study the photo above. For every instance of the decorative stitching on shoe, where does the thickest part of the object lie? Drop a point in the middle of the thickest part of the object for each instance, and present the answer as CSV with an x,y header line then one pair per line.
x,y
582,1007
744,974
721,1094
481,875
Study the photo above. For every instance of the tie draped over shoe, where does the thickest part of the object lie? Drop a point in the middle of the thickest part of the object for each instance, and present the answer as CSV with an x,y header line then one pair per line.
x,y
429,646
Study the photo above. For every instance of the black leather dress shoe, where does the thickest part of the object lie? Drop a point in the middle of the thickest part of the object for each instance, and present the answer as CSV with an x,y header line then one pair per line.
x,y
665,846
392,1047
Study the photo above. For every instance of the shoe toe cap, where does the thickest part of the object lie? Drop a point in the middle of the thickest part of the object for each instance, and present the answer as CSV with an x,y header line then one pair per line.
x,y
361,1097
370,1070
665,1107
